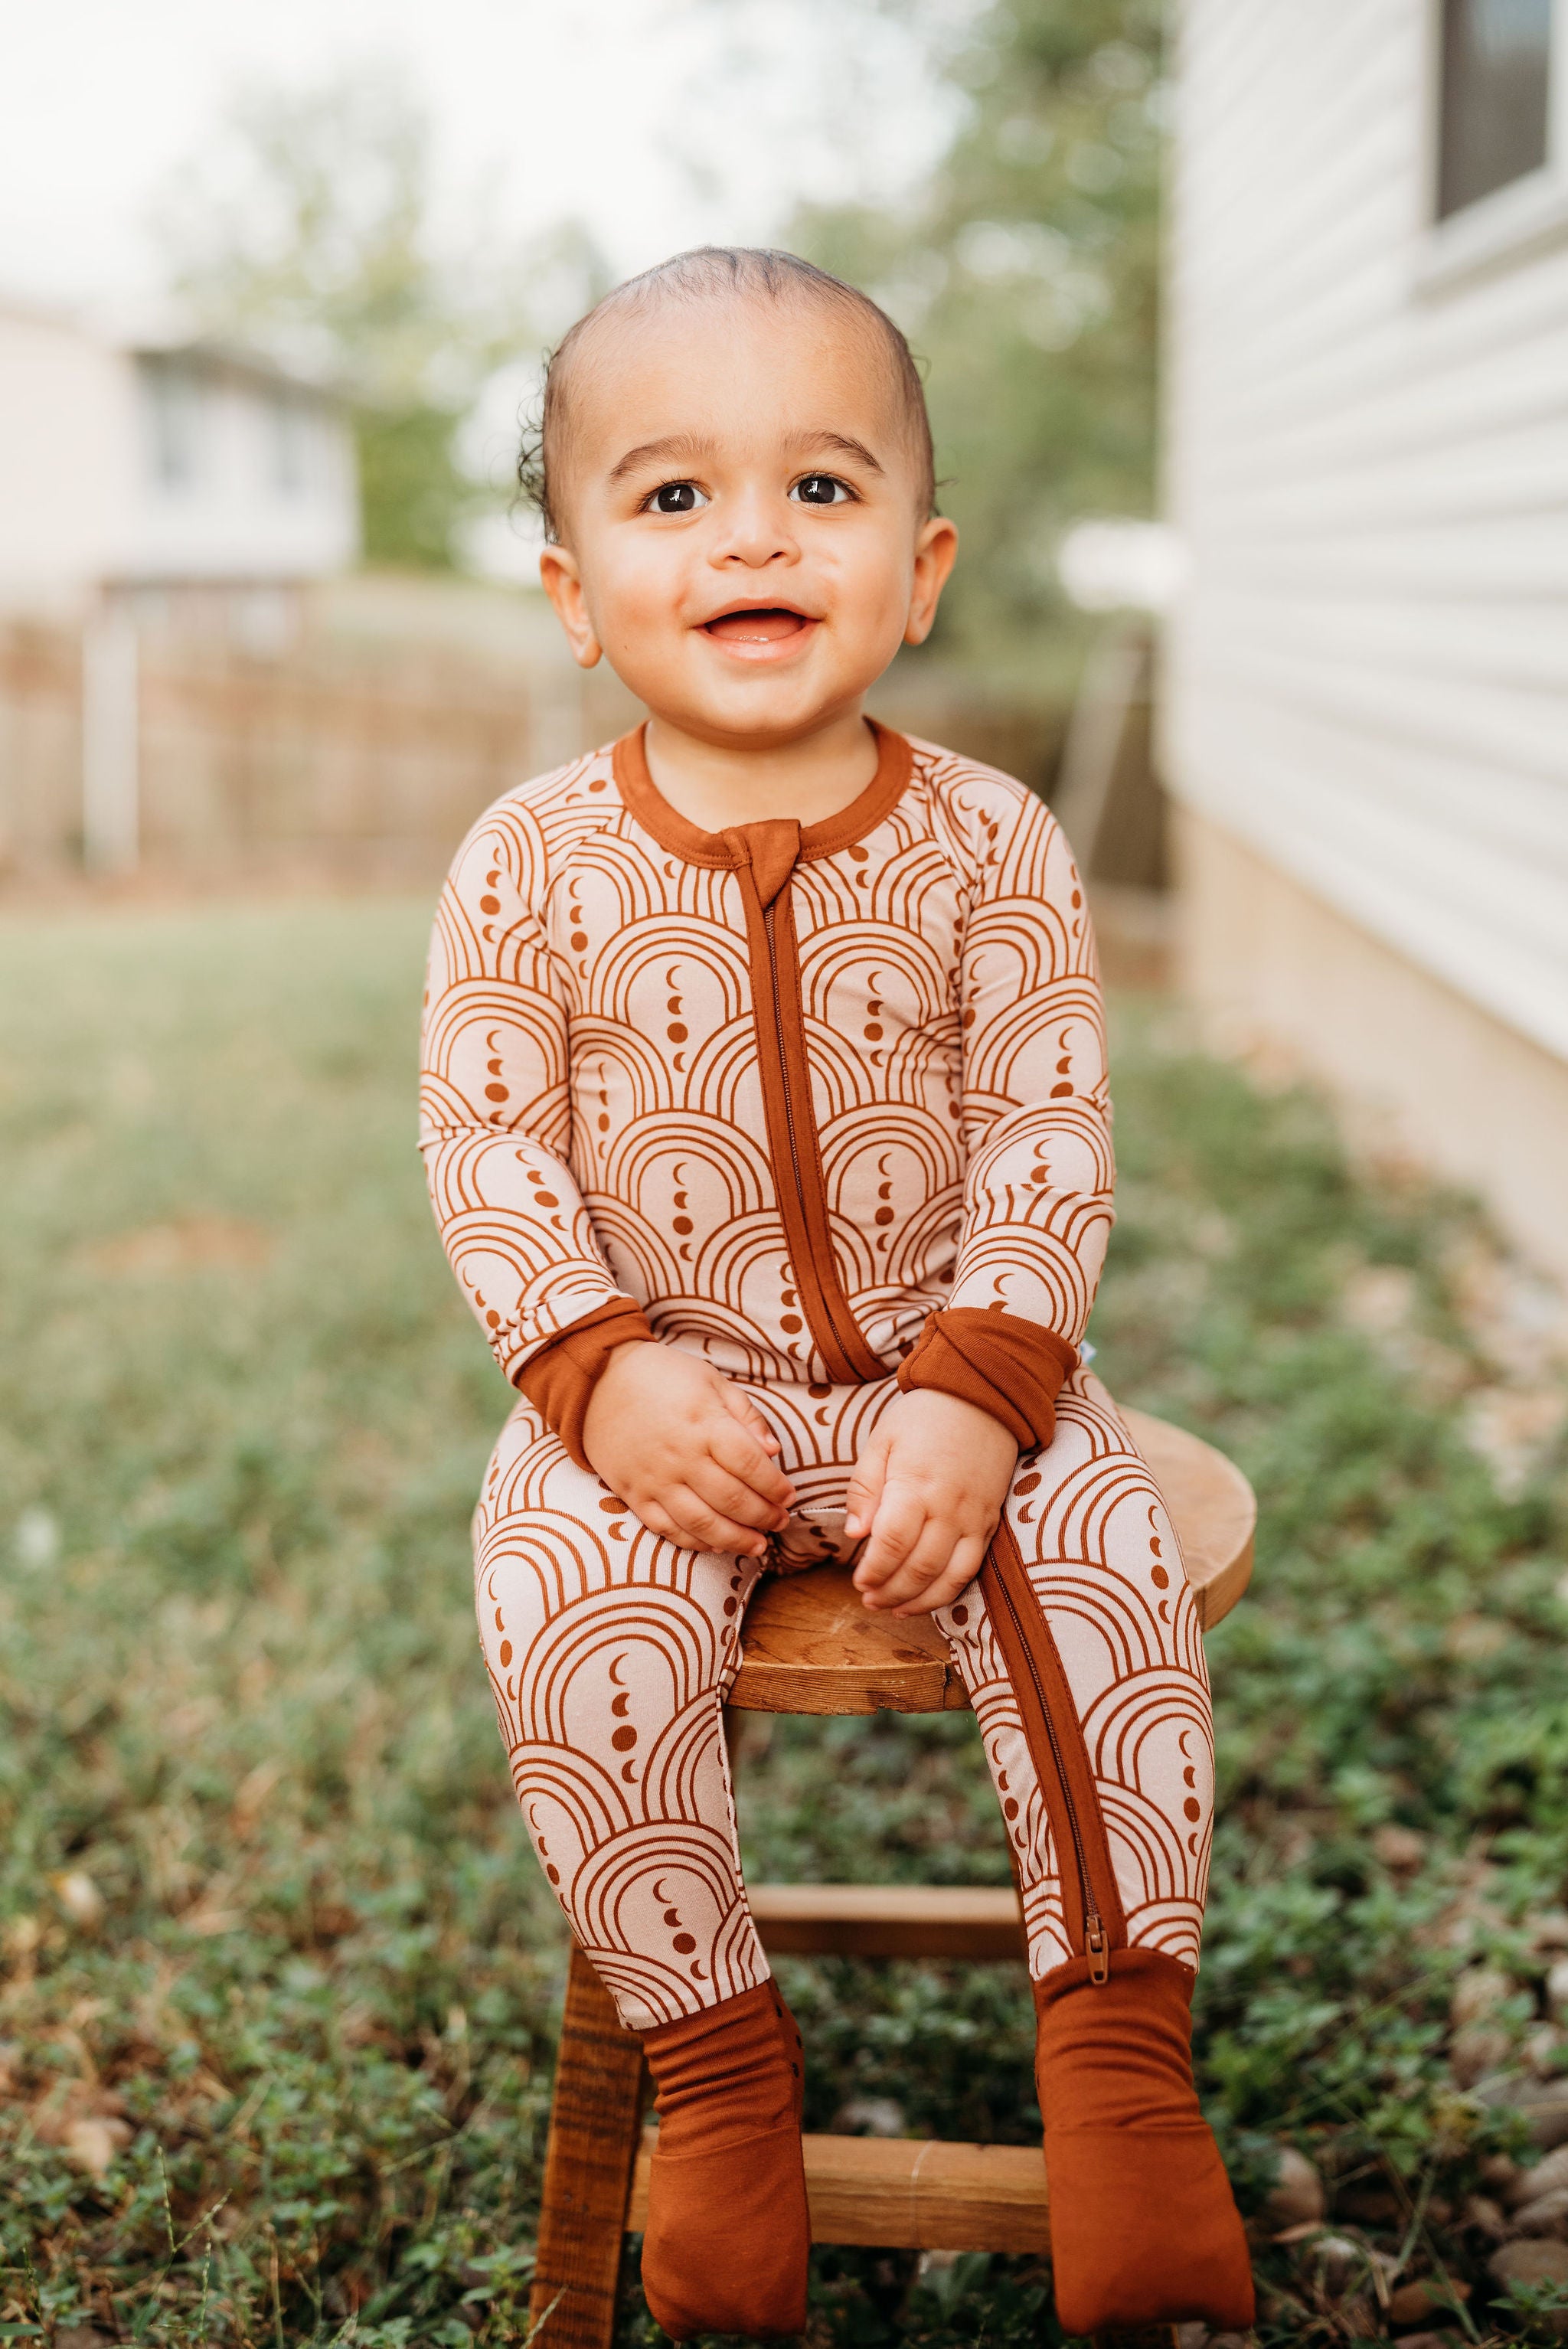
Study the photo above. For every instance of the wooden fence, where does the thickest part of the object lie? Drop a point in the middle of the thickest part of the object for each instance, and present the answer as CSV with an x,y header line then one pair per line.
x,y
347,763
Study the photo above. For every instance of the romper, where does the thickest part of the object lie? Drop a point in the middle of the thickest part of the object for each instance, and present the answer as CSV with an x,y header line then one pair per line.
x,y
786,1092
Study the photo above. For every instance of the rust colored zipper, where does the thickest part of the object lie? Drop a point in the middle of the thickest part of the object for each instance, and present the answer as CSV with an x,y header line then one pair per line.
x,y
1035,1670
792,1143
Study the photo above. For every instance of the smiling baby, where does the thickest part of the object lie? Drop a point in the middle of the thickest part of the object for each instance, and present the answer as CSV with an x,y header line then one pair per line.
x,y
766,1121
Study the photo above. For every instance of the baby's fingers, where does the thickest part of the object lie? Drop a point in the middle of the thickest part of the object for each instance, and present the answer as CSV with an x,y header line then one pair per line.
x,y
734,1450
742,1407
947,1586
694,1525
865,1490
733,1497
926,1568
899,1523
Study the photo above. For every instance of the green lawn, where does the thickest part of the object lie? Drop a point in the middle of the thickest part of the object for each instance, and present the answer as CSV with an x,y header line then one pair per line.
x,y
280,1978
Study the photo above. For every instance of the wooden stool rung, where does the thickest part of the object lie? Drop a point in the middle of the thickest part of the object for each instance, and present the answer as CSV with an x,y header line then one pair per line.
x,y
911,2194
977,1921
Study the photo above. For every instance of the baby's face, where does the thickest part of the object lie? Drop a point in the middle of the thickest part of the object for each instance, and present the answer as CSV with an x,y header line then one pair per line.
x,y
743,534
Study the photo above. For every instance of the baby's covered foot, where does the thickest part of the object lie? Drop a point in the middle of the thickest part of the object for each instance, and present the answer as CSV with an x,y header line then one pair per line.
x,y
728,2238
1144,2228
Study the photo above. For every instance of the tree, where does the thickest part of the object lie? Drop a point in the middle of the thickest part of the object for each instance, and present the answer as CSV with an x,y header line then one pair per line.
x,y
309,232
1025,276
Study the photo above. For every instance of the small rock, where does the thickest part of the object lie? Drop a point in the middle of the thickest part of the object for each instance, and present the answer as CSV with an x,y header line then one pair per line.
x,y
1193,2336
1535,2262
1542,2046
1548,2177
868,2117
1498,2172
1547,2215
1557,1987
1423,2296
35,1542
1399,1848
79,1896
1297,2198
1529,2262
1542,2105
1479,1990
1339,2259
1476,2049
1548,1930
1483,2213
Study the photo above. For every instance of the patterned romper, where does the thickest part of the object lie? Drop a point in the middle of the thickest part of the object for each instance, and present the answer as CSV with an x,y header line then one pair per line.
x,y
792,1089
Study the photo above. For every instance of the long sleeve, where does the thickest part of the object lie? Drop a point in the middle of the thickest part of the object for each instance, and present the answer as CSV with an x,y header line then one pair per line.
x,y
495,1103
1036,1104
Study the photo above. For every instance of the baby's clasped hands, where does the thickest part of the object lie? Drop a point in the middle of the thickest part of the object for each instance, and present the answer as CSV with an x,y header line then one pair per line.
x,y
686,1451
926,1494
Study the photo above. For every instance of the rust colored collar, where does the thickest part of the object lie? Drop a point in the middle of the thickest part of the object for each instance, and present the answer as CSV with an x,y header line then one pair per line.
x,y
643,797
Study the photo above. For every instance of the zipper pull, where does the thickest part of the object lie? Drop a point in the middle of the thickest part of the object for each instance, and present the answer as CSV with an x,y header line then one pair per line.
x,y
1096,1942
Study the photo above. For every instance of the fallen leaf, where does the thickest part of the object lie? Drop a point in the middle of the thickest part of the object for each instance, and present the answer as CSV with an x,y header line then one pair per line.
x,y
93,2142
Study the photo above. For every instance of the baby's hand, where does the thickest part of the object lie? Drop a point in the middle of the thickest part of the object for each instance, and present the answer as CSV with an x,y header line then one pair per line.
x,y
685,1451
928,1489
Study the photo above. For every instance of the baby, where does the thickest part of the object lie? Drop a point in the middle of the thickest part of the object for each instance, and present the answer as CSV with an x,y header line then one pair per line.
x,y
765,1122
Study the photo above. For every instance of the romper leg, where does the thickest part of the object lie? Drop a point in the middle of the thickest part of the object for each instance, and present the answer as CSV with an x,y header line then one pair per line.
x,y
593,2129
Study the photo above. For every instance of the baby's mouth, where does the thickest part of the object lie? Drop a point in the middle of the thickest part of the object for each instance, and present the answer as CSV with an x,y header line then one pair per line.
x,y
770,626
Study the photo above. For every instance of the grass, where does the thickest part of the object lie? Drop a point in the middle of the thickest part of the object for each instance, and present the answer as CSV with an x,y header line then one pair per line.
x,y
280,1978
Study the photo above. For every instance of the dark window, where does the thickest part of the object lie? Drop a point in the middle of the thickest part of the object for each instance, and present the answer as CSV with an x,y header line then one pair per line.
x,y
1495,61
176,417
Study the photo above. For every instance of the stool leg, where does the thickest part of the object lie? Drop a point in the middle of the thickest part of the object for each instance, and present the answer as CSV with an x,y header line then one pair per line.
x,y
593,2129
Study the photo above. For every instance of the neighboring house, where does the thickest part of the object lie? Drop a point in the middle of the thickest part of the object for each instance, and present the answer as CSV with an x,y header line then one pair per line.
x,y
1366,690
155,465
154,479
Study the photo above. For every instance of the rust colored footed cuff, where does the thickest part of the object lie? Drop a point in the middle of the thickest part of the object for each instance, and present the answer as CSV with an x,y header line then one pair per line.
x,y
728,2237
1144,2228
560,1380
1005,1365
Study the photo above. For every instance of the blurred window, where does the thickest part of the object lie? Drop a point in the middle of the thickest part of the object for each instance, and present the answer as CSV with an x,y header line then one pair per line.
x,y
1493,120
175,415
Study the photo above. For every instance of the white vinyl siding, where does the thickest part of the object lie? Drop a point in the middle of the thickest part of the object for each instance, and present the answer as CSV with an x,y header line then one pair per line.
x,y
1367,675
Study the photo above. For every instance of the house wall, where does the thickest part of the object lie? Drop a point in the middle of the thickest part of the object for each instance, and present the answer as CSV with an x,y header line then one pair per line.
x,y
237,478
68,457
265,491
1366,678
1423,1073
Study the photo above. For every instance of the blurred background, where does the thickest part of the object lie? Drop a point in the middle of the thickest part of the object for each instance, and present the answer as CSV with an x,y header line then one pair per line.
x,y
1245,330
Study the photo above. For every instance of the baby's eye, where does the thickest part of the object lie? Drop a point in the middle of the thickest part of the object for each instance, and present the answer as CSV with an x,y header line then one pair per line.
x,y
676,497
822,490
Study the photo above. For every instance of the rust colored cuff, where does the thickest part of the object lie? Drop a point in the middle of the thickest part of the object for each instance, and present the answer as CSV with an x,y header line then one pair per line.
x,y
1008,1366
559,1380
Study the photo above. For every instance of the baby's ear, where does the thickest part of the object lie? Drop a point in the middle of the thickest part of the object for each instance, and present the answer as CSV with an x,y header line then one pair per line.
x,y
562,583
935,552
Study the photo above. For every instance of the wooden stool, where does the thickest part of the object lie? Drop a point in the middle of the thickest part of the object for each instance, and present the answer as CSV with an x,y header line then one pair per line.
x,y
811,1647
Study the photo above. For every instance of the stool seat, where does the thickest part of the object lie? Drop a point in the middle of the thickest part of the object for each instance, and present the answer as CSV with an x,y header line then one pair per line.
x,y
810,1646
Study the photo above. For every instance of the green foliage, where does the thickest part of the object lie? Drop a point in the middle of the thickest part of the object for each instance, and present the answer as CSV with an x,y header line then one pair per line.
x,y
310,232
280,1978
1025,276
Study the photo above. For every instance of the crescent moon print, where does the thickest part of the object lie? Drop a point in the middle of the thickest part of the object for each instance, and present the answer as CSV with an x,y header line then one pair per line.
x,y
594,1127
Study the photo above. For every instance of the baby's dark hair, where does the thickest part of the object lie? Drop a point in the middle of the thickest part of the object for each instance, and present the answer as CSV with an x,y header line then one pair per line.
x,y
717,270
